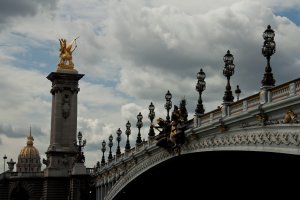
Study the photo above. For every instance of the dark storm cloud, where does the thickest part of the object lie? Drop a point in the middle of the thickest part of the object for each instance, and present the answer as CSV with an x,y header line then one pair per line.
x,y
12,132
14,8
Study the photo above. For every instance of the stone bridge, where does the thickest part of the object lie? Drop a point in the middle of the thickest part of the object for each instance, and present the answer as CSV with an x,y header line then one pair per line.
x,y
264,122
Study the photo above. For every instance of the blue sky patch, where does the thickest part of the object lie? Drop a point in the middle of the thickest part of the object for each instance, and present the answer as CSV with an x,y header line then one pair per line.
x,y
292,14
37,58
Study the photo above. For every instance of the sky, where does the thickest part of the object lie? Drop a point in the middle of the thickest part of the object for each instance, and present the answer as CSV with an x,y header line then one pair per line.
x,y
132,52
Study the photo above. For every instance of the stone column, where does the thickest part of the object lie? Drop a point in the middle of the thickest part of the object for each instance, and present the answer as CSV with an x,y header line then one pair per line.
x,y
61,151
64,92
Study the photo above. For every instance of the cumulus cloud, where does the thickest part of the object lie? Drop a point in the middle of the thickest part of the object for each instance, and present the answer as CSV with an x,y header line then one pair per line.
x,y
24,102
167,46
24,94
97,95
130,111
94,129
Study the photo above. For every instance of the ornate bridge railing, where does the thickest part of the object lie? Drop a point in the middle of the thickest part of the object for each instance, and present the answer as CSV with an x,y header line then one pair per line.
x,y
265,121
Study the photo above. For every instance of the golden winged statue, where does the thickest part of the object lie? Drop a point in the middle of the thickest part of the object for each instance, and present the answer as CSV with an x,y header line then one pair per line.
x,y
66,51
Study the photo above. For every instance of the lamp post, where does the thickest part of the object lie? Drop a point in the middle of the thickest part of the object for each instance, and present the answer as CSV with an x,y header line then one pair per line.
x,y
237,92
168,104
119,132
139,125
4,158
228,71
200,87
268,49
110,144
151,116
127,132
103,149
81,143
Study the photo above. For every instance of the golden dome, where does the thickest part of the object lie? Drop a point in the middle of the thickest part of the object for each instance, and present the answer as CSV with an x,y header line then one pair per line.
x,y
29,151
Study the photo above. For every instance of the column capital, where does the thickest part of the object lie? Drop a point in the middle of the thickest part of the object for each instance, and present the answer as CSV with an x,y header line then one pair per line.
x,y
64,76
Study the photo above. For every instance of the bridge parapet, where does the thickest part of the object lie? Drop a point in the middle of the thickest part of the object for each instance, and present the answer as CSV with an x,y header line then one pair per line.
x,y
133,154
250,124
251,103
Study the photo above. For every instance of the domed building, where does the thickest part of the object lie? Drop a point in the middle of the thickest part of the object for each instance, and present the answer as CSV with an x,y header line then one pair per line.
x,y
27,182
29,159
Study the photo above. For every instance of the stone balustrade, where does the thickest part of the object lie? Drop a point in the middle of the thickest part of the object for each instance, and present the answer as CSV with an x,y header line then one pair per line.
x,y
278,93
225,126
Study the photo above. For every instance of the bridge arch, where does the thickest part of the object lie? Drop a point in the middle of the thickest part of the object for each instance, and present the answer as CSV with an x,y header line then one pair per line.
x,y
19,192
278,139
222,172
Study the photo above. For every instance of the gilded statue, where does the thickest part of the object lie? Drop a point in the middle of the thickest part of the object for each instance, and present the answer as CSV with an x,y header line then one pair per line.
x,y
171,133
66,54
290,116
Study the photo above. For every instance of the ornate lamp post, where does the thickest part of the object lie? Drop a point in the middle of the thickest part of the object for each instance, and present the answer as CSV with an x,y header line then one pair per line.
x,y
103,149
110,144
168,104
4,158
228,71
237,92
127,132
200,87
81,143
151,116
119,132
139,125
268,50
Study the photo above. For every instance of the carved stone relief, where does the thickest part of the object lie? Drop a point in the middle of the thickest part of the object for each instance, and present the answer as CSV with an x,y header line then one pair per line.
x,y
66,105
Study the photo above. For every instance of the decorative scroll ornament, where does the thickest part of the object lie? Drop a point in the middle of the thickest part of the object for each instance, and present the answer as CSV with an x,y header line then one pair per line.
x,y
267,138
